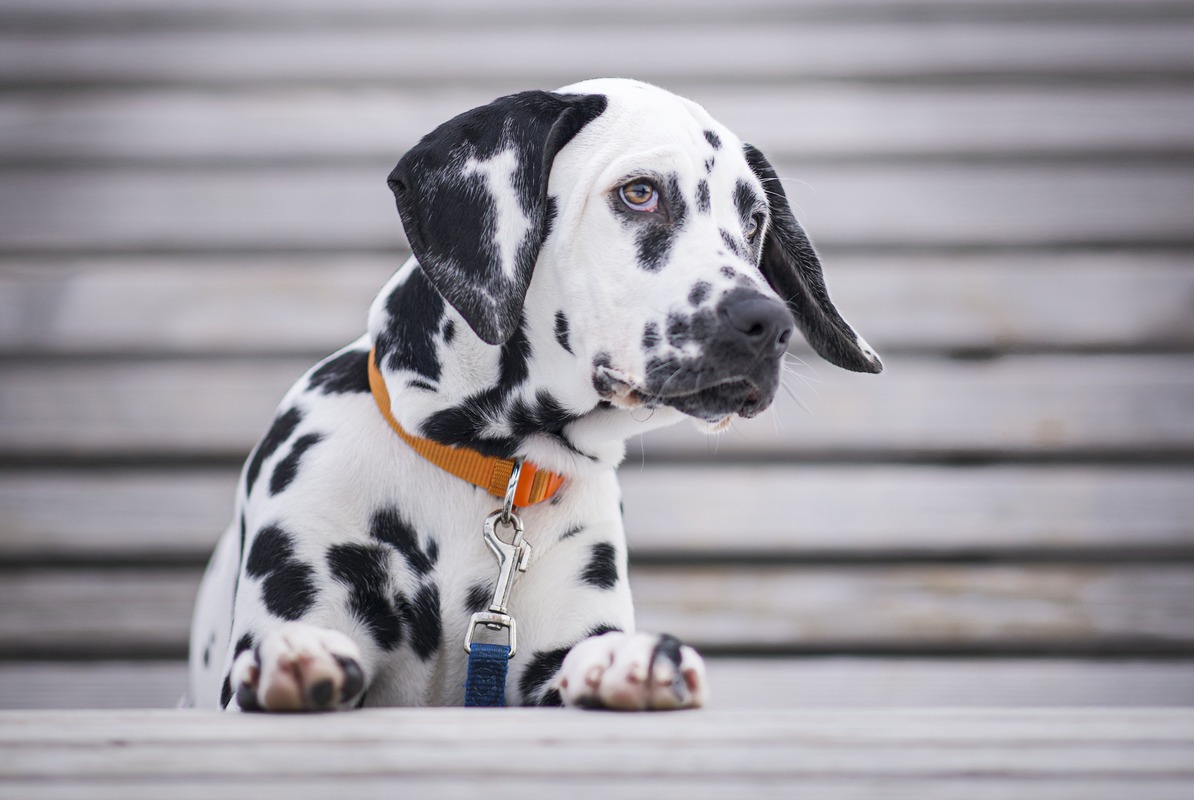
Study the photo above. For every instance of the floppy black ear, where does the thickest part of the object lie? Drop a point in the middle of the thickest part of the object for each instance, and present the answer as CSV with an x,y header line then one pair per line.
x,y
473,200
791,267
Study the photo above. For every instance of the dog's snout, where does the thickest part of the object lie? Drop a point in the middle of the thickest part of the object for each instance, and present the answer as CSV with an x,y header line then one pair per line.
x,y
765,323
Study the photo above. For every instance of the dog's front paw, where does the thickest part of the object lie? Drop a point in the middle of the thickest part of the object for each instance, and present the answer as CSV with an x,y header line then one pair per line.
x,y
299,667
632,672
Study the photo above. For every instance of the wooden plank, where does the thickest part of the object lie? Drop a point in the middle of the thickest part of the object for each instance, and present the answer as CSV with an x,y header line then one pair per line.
x,y
231,11
736,683
549,52
929,754
1004,512
313,304
798,122
350,208
1017,405
1051,608
605,781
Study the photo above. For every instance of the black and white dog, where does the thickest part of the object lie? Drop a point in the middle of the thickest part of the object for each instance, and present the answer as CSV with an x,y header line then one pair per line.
x,y
588,265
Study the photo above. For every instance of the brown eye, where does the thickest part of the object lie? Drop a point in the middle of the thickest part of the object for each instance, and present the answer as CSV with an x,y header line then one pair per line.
x,y
640,196
752,227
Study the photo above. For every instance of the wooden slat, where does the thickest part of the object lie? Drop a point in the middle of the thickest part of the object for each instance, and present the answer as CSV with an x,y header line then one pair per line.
x,y
1042,405
801,512
308,304
831,754
348,208
811,682
799,122
1048,607
547,53
231,11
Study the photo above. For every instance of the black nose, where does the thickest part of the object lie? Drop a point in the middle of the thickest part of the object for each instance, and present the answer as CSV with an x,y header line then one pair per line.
x,y
763,322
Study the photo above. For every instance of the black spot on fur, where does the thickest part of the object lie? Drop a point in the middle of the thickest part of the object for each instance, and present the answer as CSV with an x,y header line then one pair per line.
x,y
602,570
546,417
602,382
407,342
700,291
289,592
347,373
713,139
389,527
244,643
651,336
709,162
729,272
226,692
654,244
702,197
287,588
364,569
573,531
282,429
467,424
745,200
272,546
562,331
449,331
424,385
679,329
422,614
735,245
543,666
655,238
287,469
478,598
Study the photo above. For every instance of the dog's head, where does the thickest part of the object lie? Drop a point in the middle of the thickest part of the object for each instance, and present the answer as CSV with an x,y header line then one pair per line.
x,y
625,224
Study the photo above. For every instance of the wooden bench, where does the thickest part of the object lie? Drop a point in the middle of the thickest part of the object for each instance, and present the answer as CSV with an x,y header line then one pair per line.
x,y
193,209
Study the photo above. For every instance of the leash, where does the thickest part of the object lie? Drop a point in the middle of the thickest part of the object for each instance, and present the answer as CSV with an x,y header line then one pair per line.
x,y
519,484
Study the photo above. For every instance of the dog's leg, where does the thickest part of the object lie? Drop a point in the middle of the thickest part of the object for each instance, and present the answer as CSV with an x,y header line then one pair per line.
x,y
298,667
632,672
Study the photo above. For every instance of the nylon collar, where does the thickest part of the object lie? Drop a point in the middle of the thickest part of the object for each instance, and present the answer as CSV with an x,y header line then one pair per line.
x,y
488,472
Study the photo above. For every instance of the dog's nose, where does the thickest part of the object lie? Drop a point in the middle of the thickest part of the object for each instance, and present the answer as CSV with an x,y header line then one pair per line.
x,y
763,322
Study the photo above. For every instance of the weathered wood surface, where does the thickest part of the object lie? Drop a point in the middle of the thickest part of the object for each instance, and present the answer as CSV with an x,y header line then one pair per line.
x,y
545,53
799,512
1074,608
346,208
736,683
803,122
1101,753
1021,405
307,305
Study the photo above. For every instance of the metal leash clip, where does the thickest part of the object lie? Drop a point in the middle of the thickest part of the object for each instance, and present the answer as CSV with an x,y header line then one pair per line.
x,y
511,556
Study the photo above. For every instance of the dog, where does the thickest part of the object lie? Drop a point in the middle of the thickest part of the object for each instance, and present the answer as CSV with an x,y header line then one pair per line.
x,y
588,264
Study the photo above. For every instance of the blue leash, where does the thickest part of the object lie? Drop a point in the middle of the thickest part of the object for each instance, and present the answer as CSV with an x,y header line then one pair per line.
x,y
486,682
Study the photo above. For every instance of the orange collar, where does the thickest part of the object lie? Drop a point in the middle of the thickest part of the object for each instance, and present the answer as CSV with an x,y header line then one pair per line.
x,y
491,474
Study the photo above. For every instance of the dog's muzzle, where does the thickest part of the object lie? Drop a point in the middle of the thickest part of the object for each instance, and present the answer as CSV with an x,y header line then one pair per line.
x,y
735,368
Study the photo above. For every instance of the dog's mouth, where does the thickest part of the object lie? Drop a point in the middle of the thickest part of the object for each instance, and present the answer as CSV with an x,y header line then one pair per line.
x,y
715,403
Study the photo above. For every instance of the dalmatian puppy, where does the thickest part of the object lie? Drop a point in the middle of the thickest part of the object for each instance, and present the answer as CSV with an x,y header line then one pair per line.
x,y
588,265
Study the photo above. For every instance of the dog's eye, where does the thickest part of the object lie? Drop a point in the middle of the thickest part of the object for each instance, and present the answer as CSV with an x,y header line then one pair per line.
x,y
640,195
753,226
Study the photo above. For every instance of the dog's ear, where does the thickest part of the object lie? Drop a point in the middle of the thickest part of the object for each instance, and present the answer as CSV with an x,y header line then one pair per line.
x,y
791,267
473,200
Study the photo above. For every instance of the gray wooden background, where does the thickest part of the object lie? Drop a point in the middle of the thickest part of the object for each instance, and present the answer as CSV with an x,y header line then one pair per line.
x,y
193,208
